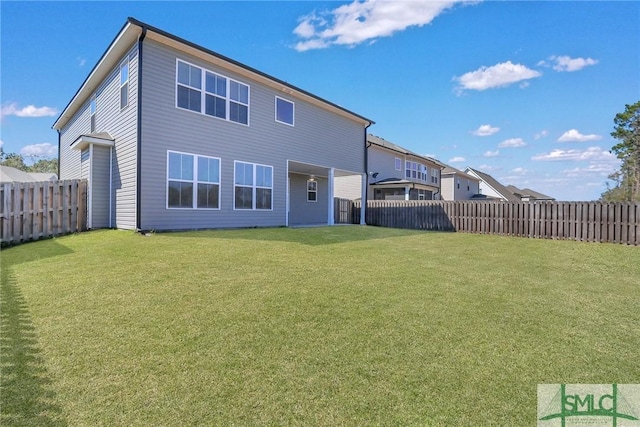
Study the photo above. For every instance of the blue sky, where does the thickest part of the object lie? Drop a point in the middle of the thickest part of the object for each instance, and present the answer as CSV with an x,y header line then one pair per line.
x,y
523,90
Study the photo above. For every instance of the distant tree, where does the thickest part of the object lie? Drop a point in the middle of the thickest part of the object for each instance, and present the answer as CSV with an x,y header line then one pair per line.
x,y
627,179
45,165
12,160
40,164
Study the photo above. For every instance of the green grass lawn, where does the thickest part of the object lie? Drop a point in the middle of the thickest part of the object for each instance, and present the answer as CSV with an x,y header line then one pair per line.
x,y
319,326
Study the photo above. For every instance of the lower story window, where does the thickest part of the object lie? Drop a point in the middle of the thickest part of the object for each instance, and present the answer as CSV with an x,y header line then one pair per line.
x,y
193,182
312,190
253,186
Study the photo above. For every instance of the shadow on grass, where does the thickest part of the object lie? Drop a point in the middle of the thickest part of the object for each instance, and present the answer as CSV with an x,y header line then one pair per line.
x,y
26,394
321,235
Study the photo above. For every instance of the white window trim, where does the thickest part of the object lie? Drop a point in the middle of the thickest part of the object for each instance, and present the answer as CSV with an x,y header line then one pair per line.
x,y
128,63
312,191
203,92
398,161
93,105
253,187
293,115
194,181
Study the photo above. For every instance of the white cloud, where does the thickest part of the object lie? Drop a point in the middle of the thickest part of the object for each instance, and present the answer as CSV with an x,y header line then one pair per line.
x,y
591,153
512,143
358,22
40,150
485,130
603,169
491,153
574,136
1,143
457,159
519,171
81,61
488,168
541,134
565,63
499,75
28,111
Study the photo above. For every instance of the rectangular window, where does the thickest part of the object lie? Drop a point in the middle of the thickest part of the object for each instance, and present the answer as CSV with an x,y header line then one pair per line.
x,y
124,84
407,169
189,87
458,183
284,111
222,97
253,186
312,190
398,164
414,170
434,176
92,114
193,182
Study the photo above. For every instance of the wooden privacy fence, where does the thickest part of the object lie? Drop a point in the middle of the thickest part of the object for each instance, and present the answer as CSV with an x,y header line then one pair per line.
x,y
35,210
584,221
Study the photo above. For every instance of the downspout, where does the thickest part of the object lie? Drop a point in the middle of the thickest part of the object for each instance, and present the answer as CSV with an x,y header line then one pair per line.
x,y
59,140
363,203
139,135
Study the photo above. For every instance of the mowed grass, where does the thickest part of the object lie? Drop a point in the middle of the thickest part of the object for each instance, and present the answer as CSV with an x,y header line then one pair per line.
x,y
320,326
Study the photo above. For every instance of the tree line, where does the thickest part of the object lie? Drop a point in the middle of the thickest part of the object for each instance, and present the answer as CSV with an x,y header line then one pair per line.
x,y
39,164
626,180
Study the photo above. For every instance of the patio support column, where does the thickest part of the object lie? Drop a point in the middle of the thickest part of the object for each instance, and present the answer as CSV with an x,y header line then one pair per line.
x,y
363,200
406,193
330,195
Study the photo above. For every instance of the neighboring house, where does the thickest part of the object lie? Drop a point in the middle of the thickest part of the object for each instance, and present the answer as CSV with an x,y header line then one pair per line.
x,y
171,135
9,174
490,188
529,195
396,173
457,185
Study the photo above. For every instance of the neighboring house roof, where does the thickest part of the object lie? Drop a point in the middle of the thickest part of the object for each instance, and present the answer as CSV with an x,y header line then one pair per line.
x,y
493,183
528,193
9,174
381,142
136,31
449,170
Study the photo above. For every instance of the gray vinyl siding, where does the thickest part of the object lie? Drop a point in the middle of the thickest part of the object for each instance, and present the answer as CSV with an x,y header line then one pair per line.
x,y
383,162
303,211
450,190
319,137
100,188
121,125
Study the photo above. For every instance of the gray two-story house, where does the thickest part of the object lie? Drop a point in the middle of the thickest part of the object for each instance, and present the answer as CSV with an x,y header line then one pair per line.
x,y
171,135
396,173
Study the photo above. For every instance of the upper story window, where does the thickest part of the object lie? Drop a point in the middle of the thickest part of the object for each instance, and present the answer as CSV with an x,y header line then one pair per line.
x,y
193,182
407,169
398,164
458,183
124,84
222,97
253,186
284,111
92,113
434,176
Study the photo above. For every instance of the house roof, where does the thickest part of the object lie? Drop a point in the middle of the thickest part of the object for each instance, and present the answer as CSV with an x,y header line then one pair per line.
x,y
493,183
450,170
381,142
9,174
134,31
527,192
